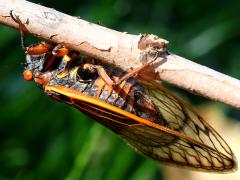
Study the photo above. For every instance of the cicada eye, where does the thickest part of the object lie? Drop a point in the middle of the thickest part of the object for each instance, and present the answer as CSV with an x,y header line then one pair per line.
x,y
27,75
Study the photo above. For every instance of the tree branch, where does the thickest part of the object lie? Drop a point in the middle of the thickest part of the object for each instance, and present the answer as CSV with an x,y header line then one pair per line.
x,y
122,49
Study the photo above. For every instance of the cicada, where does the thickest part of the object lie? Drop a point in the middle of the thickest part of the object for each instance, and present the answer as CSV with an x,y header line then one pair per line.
x,y
152,120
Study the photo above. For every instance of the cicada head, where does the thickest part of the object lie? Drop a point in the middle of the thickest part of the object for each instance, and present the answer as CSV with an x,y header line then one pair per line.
x,y
38,59
48,64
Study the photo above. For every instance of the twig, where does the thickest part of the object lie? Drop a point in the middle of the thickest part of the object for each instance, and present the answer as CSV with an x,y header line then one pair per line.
x,y
122,49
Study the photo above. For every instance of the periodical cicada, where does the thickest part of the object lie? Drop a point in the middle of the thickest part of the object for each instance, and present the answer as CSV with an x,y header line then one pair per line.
x,y
151,119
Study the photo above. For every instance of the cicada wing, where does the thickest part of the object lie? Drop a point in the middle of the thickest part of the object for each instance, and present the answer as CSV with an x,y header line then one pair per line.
x,y
160,145
187,142
183,119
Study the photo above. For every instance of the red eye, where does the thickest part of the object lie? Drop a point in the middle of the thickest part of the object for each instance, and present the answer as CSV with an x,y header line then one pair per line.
x,y
27,75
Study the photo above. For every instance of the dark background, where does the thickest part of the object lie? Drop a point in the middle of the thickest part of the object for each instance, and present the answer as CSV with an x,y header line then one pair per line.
x,y
43,139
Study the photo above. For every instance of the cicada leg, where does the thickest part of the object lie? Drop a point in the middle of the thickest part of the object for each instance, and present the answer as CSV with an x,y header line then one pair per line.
x,y
61,51
31,50
22,28
103,74
41,48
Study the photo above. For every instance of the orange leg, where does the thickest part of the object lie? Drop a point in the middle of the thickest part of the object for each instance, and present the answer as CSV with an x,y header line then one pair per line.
x,y
38,49
22,28
60,51
102,73
32,50
134,72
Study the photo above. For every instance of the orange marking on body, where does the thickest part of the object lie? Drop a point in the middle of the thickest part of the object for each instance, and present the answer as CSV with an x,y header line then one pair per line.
x,y
104,111
74,94
99,115
38,49
100,84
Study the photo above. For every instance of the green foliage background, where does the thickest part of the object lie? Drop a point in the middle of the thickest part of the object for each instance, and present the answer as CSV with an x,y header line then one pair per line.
x,y
43,139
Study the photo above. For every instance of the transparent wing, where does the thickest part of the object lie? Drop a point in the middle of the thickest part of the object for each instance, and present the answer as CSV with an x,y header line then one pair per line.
x,y
187,141
175,150
211,152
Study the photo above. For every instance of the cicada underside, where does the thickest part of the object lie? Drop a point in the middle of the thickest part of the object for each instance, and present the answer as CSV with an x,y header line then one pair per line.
x,y
150,118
